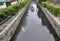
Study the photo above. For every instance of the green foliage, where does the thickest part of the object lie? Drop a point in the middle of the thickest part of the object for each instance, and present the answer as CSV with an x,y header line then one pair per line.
x,y
39,1
1,3
2,15
11,10
0,19
53,9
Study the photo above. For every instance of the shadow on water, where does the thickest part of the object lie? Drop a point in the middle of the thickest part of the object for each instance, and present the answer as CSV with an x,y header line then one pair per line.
x,y
46,22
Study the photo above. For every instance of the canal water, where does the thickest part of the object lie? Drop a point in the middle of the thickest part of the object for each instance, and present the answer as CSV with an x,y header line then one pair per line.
x,y
33,27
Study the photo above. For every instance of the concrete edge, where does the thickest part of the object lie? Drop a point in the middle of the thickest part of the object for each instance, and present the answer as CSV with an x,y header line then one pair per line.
x,y
53,21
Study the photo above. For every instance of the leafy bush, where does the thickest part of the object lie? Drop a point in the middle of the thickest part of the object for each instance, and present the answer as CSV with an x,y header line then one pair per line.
x,y
1,3
52,8
39,1
11,10
0,19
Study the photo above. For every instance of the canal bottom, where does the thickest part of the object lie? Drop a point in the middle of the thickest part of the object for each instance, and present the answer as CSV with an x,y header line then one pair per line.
x,y
34,27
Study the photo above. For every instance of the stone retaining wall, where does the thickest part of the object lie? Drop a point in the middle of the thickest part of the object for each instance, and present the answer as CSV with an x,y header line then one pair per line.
x,y
53,21
9,30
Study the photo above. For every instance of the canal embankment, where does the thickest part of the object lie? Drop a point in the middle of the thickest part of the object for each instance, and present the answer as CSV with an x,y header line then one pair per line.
x,y
34,27
9,30
53,21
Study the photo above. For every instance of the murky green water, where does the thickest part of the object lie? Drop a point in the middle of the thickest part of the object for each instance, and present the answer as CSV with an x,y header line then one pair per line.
x,y
34,27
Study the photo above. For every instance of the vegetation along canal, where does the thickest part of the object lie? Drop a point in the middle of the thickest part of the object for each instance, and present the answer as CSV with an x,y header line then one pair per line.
x,y
35,27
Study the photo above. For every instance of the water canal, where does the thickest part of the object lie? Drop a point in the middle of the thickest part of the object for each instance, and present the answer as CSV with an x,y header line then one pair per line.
x,y
34,27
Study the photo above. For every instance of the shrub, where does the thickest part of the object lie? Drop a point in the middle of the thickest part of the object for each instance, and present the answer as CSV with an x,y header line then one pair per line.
x,y
59,11
52,8
0,19
11,10
16,7
2,15
1,3
39,1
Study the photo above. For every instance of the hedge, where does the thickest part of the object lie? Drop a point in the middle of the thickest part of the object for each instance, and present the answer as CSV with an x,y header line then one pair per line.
x,y
1,3
52,8
39,1
11,10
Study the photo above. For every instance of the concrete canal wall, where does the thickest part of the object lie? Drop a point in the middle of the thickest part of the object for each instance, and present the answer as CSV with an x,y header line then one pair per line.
x,y
9,30
53,21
